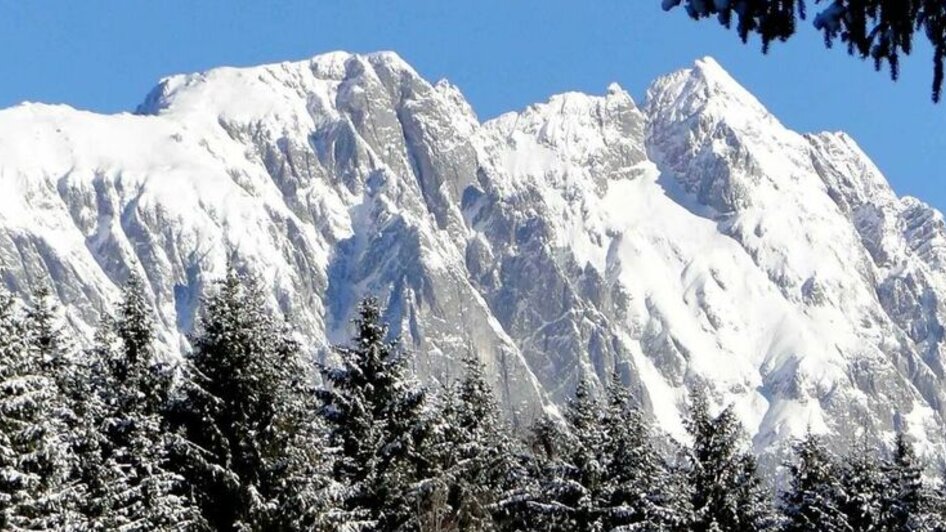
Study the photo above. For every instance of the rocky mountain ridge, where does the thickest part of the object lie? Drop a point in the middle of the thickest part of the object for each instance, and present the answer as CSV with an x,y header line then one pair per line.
x,y
693,240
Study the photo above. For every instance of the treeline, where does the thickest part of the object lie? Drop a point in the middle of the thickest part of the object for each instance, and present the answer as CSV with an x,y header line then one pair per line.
x,y
239,436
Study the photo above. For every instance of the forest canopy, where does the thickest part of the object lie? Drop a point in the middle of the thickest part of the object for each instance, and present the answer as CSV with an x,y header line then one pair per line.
x,y
248,432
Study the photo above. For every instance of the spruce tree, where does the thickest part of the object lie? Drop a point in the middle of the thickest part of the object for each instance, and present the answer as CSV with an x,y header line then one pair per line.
x,y
36,488
815,496
378,420
727,493
585,467
45,333
905,501
474,458
568,493
937,500
600,470
548,495
250,449
863,483
641,491
87,391
126,448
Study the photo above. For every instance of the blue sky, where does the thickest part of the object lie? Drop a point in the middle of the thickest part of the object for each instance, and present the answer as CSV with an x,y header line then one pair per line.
x,y
504,54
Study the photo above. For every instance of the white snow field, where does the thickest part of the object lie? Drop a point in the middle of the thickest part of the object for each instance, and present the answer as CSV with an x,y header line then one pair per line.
x,y
691,240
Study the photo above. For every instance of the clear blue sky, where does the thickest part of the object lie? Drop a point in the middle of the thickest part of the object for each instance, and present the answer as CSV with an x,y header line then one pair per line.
x,y
504,54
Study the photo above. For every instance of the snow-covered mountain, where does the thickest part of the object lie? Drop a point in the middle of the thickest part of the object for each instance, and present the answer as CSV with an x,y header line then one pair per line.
x,y
692,240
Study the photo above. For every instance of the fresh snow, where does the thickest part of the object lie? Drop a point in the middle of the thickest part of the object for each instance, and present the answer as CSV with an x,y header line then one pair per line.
x,y
692,240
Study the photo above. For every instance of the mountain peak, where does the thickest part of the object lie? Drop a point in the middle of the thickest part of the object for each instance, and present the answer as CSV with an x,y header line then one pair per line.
x,y
713,76
710,68
391,58
706,89
696,241
242,90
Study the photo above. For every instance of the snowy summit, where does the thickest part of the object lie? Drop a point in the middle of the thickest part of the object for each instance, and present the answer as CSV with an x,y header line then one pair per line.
x,y
690,240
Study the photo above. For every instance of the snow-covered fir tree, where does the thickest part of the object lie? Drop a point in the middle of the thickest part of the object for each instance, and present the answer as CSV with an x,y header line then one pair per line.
x,y
568,493
36,488
45,333
906,502
379,421
936,489
475,462
251,450
727,493
126,447
86,391
539,502
862,481
600,470
641,491
815,496
584,469
245,441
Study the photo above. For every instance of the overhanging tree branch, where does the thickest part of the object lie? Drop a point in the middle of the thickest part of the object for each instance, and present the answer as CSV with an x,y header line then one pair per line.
x,y
881,30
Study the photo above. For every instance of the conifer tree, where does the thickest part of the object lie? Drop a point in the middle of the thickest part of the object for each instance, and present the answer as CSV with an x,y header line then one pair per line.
x,y
600,470
569,490
547,495
906,504
250,448
475,463
585,465
815,496
641,491
36,491
46,336
862,481
727,493
86,390
937,500
126,448
378,420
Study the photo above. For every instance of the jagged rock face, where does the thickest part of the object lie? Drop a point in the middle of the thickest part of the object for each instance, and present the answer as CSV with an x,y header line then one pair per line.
x,y
691,241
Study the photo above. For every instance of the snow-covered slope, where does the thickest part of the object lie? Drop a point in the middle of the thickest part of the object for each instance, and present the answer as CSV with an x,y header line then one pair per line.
x,y
694,240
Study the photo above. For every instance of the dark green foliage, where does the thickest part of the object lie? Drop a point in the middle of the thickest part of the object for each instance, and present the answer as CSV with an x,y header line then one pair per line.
x,y
550,498
906,502
881,30
572,483
125,448
240,439
475,462
816,496
45,334
642,490
250,438
727,493
36,492
379,422
600,470
862,481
